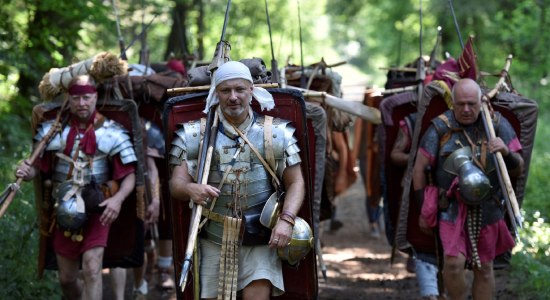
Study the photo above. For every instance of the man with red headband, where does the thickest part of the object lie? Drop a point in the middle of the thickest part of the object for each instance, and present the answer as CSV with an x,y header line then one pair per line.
x,y
88,152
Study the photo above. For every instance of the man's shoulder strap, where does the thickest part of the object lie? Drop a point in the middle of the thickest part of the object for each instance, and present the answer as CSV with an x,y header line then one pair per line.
x,y
268,141
442,125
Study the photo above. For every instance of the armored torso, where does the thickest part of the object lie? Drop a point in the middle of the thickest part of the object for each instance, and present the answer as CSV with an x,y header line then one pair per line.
x,y
444,137
111,139
248,184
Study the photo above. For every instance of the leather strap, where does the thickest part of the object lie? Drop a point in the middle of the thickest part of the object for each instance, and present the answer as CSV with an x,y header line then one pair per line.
x,y
268,141
266,165
229,259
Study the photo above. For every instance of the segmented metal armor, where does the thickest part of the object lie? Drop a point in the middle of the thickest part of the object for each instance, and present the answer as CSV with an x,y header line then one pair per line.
x,y
111,138
248,185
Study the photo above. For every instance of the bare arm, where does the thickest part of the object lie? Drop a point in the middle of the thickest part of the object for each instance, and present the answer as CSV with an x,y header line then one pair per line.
x,y
113,204
514,161
294,197
357,134
418,175
399,154
153,177
182,187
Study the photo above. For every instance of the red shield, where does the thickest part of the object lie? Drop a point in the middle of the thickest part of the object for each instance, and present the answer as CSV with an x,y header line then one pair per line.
x,y
301,281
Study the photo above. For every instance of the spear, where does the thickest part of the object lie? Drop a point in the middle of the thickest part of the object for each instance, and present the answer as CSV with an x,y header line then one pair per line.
x,y
120,38
274,67
456,23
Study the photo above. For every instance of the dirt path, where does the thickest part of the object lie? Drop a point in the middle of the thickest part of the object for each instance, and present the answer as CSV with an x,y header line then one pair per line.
x,y
358,266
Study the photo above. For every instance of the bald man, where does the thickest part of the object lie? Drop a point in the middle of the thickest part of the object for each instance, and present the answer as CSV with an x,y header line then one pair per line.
x,y
470,214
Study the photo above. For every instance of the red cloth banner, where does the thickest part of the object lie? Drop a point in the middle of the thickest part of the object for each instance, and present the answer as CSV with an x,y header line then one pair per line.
x,y
467,62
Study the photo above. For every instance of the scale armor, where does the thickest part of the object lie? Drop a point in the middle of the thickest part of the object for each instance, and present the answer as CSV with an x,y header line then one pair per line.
x,y
450,140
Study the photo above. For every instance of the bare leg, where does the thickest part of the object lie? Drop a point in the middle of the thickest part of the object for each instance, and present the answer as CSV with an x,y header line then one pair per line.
x,y
454,277
139,272
69,279
141,290
257,290
484,282
151,253
341,180
92,261
118,282
164,263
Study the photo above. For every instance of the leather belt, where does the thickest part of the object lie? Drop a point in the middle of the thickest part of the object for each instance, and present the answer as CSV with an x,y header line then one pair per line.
x,y
214,216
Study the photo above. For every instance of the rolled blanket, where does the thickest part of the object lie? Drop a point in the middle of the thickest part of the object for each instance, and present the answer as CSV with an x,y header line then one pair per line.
x,y
101,66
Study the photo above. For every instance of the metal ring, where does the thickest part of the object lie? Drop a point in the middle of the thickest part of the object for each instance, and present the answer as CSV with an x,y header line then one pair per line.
x,y
275,240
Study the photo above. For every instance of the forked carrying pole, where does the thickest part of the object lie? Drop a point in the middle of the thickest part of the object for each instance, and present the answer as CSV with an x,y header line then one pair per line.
x,y
208,143
204,170
274,67
502,171
9,193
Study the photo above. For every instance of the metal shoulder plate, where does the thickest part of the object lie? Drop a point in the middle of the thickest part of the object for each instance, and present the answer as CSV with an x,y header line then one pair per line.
x,y
114,139
185,145
285,147
57,141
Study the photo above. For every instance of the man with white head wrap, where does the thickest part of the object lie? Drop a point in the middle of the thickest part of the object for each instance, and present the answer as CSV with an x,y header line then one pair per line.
x,y
244,189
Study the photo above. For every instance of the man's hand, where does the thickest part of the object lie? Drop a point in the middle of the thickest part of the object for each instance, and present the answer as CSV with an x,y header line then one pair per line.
x,y
281,234
152,214
497,145
112,210
25,170
201,194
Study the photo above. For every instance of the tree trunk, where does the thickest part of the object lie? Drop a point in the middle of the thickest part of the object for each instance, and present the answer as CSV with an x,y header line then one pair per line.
x,y
200,31
177,41
39,49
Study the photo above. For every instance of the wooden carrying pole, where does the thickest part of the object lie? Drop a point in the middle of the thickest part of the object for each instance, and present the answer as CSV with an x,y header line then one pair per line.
x,y
197,209
504,177
11,190
355,108
221,55
358,109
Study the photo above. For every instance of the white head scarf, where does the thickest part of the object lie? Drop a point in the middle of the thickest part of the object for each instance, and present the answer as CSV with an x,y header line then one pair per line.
x,y
233,70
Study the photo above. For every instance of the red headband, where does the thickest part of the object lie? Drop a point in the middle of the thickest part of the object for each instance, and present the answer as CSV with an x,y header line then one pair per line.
x,y
77,89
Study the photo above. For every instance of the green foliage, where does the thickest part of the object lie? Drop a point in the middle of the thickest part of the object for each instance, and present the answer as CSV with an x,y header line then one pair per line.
x,y
18,272
532,259
19,244
537,182
36,35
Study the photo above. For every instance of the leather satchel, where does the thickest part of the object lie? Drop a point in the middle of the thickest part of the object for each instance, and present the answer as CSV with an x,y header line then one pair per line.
x,y
254,233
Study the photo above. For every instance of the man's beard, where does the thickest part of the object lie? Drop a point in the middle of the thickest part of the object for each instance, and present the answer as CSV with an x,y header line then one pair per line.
x,y
239,112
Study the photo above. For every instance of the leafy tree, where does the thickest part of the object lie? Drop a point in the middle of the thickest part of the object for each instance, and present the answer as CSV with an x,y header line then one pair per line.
x,y
36,35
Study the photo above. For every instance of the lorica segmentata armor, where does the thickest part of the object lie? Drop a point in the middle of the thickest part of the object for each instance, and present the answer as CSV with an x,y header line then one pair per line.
x,y
111,139
248,185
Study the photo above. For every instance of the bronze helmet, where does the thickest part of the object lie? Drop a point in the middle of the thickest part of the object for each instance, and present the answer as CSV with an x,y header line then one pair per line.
x,y
300,243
